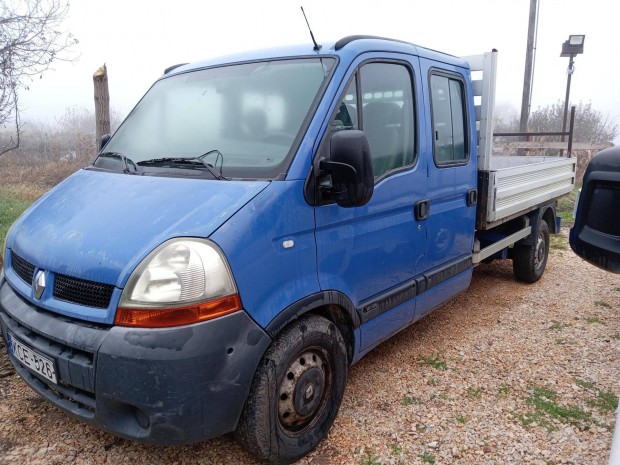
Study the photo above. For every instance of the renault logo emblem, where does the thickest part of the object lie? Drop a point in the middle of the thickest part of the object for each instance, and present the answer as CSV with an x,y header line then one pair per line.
x,y
39,284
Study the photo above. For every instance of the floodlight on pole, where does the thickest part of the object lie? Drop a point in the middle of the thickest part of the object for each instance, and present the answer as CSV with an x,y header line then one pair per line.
x,y
573,46
570,48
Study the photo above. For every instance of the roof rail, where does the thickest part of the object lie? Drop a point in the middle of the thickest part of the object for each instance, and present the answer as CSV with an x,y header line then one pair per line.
x,y
348,39
173,67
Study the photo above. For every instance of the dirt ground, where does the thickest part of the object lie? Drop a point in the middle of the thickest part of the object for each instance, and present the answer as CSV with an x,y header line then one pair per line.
x,y
505,374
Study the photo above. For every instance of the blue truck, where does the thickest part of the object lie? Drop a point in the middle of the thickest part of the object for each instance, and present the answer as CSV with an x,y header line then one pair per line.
x,y
256,225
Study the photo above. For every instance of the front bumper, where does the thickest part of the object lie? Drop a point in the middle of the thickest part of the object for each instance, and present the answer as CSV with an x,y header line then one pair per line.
x,y
168,386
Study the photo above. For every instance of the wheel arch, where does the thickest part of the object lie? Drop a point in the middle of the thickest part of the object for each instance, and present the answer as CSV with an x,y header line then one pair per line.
x,y
545,213
332,305
548,215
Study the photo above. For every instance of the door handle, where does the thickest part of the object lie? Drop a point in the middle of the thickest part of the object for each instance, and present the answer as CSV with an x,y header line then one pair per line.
x,y
472,197
422,209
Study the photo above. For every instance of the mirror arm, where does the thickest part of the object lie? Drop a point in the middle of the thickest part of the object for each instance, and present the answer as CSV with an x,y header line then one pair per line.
x,y
326,186
330,166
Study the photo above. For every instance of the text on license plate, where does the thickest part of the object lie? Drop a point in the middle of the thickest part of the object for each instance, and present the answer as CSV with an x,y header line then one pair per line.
x,y
32,359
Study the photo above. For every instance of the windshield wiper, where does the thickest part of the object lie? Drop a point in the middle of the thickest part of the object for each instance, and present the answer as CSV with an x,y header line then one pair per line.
x,y
213,167
126,161
164,161
192,161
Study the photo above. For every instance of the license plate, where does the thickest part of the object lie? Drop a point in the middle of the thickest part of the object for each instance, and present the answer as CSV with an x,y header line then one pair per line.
x,y
32,359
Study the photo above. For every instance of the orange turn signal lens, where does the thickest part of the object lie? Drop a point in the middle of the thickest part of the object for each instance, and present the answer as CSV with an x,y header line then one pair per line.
x,y
179,316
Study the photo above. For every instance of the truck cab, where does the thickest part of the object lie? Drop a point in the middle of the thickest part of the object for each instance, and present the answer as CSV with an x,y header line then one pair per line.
x,y
256,225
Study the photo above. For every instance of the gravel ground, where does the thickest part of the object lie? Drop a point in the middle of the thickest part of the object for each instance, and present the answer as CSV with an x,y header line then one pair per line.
x,y
505,374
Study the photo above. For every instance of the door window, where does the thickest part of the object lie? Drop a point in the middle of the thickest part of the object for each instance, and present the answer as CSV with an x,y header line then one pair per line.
x,y
449,129
387,119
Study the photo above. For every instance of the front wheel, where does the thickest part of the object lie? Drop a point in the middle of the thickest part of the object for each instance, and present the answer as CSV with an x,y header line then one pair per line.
x,y
296,391
529,262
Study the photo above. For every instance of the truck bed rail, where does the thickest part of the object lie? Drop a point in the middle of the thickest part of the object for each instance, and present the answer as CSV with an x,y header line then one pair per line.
x,y
507,191
484,93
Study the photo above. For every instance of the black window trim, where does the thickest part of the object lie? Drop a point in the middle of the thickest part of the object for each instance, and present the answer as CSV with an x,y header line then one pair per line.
x,y
457,77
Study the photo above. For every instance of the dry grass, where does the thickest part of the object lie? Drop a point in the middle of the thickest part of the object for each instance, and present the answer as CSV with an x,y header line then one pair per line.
x,y
24,192
28,176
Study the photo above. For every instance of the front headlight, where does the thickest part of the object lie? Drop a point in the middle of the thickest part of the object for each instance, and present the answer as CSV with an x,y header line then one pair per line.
x,y
183,281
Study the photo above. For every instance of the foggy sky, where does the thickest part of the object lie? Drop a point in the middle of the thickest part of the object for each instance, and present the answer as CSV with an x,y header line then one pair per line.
x,y
138,39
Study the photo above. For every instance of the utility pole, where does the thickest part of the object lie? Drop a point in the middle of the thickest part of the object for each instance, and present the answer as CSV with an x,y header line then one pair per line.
x,y
529,68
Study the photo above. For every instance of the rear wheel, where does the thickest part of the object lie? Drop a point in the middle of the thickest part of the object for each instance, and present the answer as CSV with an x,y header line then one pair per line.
x,y
296,392
529,261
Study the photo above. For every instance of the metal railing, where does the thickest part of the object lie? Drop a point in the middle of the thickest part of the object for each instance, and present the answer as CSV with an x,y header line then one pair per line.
x,y
527,135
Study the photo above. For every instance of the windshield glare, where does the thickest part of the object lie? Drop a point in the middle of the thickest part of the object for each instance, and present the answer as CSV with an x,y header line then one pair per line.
x,y
251,113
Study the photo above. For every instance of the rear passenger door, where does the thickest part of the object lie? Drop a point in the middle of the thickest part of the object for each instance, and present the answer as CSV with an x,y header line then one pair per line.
x,y
370,253
452,179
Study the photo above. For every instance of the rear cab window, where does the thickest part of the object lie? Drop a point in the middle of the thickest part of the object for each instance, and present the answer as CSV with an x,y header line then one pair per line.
x,y
449,119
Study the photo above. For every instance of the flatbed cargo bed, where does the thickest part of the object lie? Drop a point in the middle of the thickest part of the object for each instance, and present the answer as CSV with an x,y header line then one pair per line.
x,y
510,186
514,185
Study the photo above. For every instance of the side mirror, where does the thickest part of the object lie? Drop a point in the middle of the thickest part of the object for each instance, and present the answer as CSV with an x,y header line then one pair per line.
x,y
103,141
595,237
350,167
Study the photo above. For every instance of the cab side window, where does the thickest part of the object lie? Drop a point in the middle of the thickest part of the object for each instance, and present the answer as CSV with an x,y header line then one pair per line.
x,y
387,116
449,121
346,115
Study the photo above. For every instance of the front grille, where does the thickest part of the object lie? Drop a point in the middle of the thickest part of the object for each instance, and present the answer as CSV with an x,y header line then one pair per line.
x,y
67,288
82,292
22,268
75,368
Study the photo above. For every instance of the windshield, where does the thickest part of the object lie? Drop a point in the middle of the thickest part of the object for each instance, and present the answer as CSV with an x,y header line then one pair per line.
x,y
250,114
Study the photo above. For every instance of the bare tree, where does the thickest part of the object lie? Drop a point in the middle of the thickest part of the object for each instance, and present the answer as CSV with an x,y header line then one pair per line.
x,y
506,118
30,40
591,125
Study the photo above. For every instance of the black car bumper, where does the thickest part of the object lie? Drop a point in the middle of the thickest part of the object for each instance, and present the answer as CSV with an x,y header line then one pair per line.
x,y
169,386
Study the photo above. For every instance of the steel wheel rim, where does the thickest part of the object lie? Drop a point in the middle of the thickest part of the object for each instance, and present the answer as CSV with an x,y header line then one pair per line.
x,y
539,253
304,390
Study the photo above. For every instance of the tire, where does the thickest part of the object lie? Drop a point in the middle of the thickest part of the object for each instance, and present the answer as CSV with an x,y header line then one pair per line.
x,y
529,262
296,391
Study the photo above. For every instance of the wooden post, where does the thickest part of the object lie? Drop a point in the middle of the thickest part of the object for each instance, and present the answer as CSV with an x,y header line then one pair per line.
x,y
102,104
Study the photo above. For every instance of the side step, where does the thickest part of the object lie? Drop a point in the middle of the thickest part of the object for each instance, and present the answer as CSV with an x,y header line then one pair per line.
x,y
492,249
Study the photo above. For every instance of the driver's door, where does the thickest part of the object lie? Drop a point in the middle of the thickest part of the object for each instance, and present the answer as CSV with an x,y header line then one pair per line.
x,y
372,253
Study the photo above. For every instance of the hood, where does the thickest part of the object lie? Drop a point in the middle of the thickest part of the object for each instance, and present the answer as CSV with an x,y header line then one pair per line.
x,y
99,226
